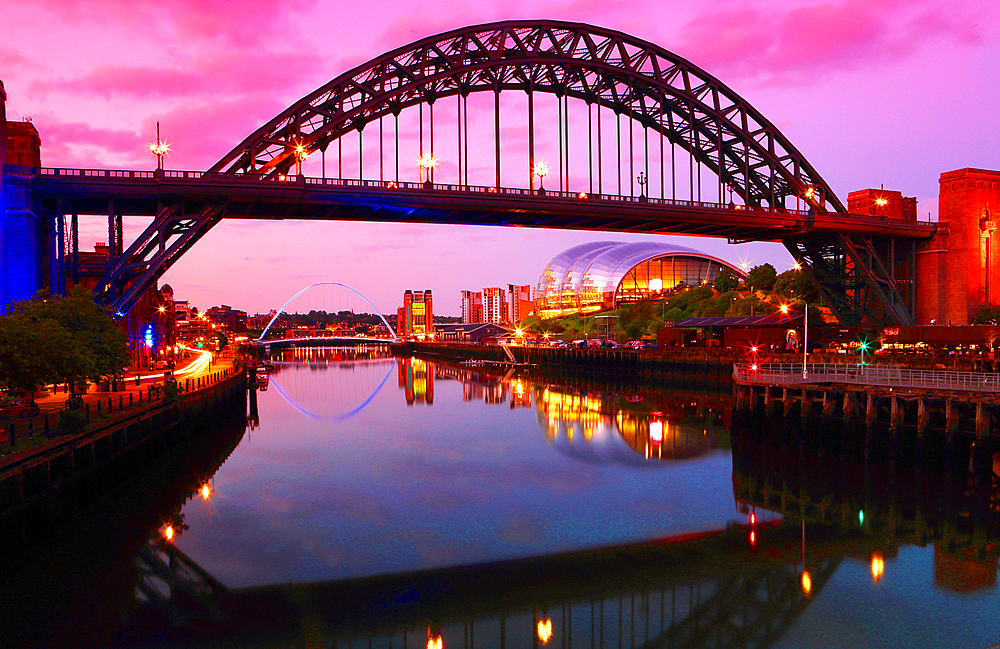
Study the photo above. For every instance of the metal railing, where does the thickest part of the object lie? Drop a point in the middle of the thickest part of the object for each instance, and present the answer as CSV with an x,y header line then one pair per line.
x,y
391,185
867,375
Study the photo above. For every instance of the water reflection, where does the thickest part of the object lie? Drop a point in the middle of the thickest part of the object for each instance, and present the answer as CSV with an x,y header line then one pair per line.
x,y
292,376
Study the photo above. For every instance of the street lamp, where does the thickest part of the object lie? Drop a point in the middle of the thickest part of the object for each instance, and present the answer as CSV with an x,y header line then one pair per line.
x,y
300,155
159,149
427,162
541,170
642,180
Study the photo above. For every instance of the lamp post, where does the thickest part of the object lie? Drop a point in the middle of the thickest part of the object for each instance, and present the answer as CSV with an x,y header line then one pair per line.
x,y
159,149
427,162
805,345
541,170
642,180
300,155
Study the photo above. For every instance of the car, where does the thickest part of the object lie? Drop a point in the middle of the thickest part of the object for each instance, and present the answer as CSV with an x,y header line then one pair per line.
x,y
20,408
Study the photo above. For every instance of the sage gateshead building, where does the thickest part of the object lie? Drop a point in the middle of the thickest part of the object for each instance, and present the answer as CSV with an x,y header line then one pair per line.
x,y
603,274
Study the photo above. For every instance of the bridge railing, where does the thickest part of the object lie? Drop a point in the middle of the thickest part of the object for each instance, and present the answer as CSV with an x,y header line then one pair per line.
x,y
867,375
391,185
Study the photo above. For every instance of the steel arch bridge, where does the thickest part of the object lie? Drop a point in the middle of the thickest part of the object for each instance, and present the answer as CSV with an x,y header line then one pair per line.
x,y
863,265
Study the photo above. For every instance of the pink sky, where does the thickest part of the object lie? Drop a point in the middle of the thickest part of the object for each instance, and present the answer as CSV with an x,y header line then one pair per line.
x,y
872,92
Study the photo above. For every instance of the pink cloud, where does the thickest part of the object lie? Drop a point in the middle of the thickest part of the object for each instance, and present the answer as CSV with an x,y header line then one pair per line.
x,y
799,45
221,21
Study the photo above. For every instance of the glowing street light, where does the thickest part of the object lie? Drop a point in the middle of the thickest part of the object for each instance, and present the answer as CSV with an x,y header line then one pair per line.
x,y
541,170
784,309
205,491
881,201
807,583
159,149
426,162
642,180
168,533
300,156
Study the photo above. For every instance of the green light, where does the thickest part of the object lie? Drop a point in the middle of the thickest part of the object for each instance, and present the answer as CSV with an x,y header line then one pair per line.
x,y
861,517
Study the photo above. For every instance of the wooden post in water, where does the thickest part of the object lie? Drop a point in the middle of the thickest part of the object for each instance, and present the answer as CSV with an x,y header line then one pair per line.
x,y
871,420
768,402
982,421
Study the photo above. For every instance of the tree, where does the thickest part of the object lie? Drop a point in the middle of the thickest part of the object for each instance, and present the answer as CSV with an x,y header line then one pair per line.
x,y
726,281
762,277
49,339
794,284
98,349
29,348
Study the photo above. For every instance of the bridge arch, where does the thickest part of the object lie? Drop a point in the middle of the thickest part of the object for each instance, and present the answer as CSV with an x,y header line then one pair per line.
x,y
662,91
312,286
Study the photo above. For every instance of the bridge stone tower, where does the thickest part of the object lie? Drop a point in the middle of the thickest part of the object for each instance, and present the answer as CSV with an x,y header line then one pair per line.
x,y
959,269
27,240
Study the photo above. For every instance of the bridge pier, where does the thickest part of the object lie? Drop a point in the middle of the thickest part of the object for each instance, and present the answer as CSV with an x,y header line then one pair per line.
x,y
871,420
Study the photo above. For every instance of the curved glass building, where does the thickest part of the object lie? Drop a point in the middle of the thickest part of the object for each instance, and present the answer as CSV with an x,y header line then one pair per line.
x,y
603,274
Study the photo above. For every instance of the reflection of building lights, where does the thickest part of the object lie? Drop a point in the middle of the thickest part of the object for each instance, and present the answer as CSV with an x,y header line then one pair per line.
x,y
878,566
656,431
807,583
544,628
753,538
434,642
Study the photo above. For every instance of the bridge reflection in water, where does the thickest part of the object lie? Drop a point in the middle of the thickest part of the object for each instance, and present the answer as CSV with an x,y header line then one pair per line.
x,y
744,586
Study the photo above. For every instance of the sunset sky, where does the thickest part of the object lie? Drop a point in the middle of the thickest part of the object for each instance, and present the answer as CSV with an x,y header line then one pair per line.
x,y
872,92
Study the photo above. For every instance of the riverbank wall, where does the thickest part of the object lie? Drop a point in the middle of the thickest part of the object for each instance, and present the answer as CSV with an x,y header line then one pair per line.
x,y
132,434
689,369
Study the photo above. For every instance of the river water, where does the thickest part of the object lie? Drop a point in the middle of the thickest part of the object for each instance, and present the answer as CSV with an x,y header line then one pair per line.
x,y
384,502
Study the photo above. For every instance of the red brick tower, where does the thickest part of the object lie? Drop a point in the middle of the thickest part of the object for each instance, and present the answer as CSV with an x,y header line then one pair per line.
x,y
959,269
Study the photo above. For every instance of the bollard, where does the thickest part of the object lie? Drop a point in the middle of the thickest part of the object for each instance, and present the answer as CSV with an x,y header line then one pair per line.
x,y
109,405
13,434
187,385
130,399
31,429
121,401
46,424
137,379
98,408
140,397
88,411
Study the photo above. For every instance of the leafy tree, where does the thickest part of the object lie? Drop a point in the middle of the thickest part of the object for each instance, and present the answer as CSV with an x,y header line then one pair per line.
x,y
795,284
988,314
29,348
726,281
762,277
49,339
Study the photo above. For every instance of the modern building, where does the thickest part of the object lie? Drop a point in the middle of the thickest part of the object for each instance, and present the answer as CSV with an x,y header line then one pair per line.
x,y
603,274
230,319
472,307
520,301
415,319
495,305
957,270
471,333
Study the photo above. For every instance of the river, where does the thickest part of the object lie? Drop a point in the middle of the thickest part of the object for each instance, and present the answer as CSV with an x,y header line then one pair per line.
x,y
374,501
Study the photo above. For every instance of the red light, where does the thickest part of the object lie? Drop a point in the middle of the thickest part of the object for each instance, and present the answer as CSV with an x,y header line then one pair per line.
x,y
753,538
753,518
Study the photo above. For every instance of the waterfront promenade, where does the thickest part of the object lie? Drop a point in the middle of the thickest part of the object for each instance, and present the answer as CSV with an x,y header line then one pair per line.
x,y
26,436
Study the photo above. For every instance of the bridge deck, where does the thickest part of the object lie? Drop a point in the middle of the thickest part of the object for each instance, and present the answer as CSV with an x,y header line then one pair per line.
x,y
140,193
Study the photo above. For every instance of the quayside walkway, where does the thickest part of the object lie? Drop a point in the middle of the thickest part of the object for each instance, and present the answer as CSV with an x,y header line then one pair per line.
x,y
888,376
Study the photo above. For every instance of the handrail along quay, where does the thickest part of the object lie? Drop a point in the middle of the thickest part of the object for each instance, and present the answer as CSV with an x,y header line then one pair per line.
x,y
890,376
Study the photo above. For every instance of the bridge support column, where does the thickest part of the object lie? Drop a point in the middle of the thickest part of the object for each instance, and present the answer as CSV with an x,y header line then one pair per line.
x,y
786,402
923,417
768,402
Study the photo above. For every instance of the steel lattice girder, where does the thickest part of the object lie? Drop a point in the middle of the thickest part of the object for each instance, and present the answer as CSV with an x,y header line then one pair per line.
x,y
852,277
647,83
168,237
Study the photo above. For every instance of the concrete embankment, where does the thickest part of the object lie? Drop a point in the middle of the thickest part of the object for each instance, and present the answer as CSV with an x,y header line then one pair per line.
x,y
691,369
28,475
